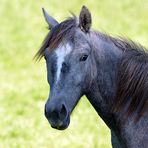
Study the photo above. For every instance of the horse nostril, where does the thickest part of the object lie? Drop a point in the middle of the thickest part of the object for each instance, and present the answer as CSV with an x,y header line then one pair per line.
x,y
55,115
63,112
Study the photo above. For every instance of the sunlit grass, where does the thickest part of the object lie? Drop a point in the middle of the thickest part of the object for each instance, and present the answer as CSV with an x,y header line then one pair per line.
x,y
23,85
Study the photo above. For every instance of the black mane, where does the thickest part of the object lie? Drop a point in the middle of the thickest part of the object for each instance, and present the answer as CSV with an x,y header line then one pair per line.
x,y
62,31
133,80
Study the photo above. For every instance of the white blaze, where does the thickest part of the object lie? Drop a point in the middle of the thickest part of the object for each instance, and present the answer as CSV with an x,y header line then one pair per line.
x,y
61,53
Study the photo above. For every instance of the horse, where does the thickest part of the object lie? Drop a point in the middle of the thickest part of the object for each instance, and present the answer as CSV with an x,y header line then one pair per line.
x,y
112,72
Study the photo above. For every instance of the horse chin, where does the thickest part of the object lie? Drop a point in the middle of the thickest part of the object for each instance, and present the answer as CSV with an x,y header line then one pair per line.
x,y
62,125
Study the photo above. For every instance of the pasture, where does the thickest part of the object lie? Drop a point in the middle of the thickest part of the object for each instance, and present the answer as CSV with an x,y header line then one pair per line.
x,y
23,85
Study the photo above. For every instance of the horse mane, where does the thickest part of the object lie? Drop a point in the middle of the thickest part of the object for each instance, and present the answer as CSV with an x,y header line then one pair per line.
x,y
132,89
132,78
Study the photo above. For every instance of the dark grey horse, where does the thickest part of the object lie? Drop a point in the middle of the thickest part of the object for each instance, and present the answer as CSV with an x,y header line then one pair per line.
x,y
111,72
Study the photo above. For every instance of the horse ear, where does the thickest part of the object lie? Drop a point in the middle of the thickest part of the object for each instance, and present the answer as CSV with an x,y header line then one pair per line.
x,y
50,20
85,19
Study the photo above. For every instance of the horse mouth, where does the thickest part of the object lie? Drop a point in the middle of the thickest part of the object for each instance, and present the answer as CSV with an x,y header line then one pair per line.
x,y
60,125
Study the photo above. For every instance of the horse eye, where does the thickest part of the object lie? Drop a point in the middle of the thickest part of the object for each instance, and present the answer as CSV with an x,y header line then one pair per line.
x,y
83,57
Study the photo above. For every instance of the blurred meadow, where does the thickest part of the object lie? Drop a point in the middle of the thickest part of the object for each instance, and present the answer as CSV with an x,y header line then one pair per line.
x,y
23,85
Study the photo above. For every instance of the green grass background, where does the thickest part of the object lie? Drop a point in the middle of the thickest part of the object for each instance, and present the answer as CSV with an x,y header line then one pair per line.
x,y
23,85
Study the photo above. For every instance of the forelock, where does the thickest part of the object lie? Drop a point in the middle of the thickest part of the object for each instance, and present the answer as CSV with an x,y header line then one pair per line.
x,y
60,33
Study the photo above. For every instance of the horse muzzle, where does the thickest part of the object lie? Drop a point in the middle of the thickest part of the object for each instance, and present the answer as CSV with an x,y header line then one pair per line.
x,y
57,116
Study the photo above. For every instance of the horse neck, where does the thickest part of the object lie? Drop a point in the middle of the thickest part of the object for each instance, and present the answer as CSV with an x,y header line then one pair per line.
x,y
103,90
